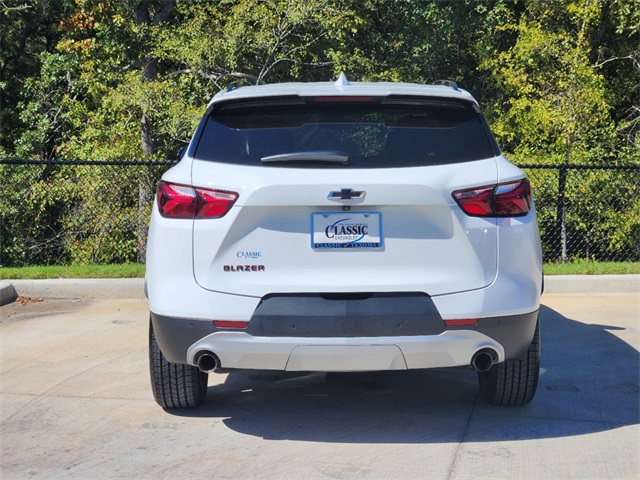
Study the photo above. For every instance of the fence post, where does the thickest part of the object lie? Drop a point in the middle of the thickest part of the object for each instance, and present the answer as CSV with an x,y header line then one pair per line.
x,y
143,221
561,228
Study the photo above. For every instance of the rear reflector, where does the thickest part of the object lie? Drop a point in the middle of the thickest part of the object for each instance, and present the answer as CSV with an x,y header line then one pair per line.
x,y
182,201
461,322
230,324
511,199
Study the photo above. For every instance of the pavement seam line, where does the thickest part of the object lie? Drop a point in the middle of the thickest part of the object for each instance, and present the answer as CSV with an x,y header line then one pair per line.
x,y
454,464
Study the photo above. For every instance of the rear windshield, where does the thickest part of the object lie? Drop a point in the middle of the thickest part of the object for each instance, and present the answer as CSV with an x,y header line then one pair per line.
x,y
390,133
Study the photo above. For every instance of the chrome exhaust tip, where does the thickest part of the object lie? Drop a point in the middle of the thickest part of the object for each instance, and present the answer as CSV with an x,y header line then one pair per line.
x,y
208,362
484,359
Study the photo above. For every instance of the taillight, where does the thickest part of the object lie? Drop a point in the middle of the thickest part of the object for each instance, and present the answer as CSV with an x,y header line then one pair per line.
x,y
510,199
214,203
182,201
176,201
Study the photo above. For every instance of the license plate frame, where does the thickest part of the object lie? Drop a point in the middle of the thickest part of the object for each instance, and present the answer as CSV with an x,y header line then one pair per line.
x,y
346,231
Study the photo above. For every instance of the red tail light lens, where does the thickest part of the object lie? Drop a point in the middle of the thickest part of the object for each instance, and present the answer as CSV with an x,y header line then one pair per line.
x,y
511,199
176,201
214,203
182,201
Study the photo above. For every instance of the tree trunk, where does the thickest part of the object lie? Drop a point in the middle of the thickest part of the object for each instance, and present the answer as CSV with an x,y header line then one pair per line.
x,y
147,130
148,13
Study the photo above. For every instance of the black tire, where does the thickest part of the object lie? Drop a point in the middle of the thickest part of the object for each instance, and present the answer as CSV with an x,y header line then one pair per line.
x,y
513,383
174,385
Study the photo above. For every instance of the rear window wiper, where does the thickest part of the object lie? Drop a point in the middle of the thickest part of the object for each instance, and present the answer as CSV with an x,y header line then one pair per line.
x,y
321,156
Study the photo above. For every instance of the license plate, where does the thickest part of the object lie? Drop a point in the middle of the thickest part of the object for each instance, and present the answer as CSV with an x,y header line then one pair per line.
x,y
346,230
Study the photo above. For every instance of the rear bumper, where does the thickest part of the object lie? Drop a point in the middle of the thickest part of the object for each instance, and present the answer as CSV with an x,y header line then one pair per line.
x,y
182,340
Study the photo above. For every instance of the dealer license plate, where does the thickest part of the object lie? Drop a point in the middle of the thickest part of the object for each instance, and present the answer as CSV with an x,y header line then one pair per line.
x,y
346,230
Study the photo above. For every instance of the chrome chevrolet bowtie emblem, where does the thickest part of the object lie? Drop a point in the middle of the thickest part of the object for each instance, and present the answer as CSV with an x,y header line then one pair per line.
x,y
346,194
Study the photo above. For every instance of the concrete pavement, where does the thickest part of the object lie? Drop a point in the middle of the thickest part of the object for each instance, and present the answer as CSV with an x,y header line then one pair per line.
x,y
75,402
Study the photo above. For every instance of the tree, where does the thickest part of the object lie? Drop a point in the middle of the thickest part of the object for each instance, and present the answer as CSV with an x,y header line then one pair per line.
x,y
147,14
553,104
27,30
113,79
129,79
553,109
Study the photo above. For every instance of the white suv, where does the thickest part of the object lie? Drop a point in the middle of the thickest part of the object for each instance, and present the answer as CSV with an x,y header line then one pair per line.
x,y
343,227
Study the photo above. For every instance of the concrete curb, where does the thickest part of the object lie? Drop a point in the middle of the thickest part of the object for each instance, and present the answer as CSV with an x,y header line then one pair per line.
x,y
592,284
134,287
79,288
7,293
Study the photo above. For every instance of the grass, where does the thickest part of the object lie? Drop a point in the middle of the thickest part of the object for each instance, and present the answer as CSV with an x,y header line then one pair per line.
x,y
127,270
134,270
591,268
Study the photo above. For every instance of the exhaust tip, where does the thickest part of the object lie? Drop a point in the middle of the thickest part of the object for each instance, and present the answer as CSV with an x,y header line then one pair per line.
x,y
484,359
208,362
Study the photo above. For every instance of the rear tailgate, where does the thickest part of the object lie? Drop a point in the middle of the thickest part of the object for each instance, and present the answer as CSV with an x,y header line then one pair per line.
x,y
417,238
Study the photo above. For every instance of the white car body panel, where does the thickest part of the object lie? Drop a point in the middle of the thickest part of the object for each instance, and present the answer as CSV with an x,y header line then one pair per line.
x,y
239,350
470,267
356,89
429,244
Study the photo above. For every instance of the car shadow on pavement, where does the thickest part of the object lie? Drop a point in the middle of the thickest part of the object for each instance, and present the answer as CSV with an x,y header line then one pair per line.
x,y
589,383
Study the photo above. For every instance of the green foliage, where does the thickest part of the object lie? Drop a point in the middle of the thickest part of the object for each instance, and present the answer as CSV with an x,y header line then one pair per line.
x,y
601,213
75,214
558,77
31,215
111,79
127,270
592,268
27,29
251,41
553,100
133,270
554,107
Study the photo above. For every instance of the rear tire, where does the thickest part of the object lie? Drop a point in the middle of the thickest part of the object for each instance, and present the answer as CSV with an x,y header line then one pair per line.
x,y
513,383
174,385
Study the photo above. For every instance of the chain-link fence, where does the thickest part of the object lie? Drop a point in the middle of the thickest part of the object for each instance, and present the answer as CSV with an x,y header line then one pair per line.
x,y
587,212
78,212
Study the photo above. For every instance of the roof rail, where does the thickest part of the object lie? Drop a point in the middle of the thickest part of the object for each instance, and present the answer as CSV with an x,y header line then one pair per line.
x,y
447,83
